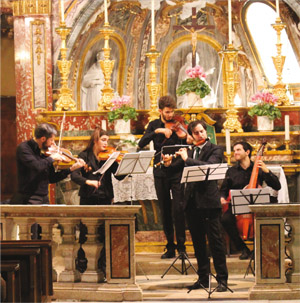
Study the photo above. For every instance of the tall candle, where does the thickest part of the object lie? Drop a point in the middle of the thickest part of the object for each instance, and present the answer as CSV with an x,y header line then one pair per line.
x,y
103,124
105,12
227,138
229,22
151,145
152,23
62,11
287,127
277,8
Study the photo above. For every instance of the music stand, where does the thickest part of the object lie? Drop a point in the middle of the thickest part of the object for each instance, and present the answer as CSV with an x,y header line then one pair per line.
x,y
205,173
240,200
135,163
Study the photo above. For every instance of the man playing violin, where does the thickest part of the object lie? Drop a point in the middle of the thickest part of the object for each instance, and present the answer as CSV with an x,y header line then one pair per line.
x,y
166,180
203,208
238,177
35,170
92,190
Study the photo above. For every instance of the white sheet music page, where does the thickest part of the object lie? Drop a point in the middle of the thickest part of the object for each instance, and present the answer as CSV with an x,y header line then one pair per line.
x,y
127,164
108,163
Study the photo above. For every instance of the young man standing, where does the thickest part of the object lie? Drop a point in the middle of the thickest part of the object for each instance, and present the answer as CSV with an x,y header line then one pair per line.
x,y
165,179
203,209
238,177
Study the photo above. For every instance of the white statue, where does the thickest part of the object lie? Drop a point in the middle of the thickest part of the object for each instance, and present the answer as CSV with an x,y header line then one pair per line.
x,y
92,83
184,101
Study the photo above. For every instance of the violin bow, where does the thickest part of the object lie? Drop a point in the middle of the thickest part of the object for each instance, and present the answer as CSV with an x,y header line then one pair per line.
x,y
61,131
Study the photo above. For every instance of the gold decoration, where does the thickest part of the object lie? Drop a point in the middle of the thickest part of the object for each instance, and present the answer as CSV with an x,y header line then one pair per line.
x,y
278,61
232,123
154,88
31,7
107,66
65,101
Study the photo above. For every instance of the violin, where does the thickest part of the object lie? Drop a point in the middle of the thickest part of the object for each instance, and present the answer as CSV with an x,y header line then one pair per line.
x,y
178,126
66,155
105,154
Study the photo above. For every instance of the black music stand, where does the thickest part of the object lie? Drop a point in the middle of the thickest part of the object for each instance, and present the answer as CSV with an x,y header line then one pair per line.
x,y
206,173
135,163
240,200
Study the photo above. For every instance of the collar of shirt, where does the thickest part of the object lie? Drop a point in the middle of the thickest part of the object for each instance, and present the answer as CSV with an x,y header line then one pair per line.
x,y
250,167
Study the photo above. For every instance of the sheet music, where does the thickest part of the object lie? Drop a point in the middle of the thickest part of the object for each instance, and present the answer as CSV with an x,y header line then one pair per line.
x,y
199,173
108,163
241,198
135,163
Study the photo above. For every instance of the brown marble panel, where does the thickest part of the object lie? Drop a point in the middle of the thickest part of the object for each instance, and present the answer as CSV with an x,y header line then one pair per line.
x,y
270,251
120,251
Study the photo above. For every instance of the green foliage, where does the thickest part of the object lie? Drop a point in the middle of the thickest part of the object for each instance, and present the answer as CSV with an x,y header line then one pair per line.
x,y
265,109
125,112
195,85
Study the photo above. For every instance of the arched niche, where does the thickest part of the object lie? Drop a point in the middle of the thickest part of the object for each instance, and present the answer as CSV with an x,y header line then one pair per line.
x,y
117,53
174,58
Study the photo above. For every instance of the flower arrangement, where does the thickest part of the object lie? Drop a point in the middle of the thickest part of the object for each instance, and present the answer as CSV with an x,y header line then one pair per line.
x,y
265,105
121,109
194,83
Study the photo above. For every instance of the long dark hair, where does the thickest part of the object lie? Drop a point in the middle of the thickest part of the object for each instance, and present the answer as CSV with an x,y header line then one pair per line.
x,y
95,136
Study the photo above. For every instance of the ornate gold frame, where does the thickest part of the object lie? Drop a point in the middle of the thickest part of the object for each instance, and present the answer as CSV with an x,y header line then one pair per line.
x,y
169,50
121,72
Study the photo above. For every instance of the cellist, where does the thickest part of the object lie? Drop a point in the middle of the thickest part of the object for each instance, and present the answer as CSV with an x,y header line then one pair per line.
x,y
238,177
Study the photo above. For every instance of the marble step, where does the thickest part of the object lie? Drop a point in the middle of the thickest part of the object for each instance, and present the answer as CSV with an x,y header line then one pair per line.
x,y
152,264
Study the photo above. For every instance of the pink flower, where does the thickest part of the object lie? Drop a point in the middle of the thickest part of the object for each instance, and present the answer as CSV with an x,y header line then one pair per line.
x,y
264,97
196,72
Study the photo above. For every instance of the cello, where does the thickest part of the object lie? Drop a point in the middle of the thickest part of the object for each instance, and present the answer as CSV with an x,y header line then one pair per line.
x,y
245,222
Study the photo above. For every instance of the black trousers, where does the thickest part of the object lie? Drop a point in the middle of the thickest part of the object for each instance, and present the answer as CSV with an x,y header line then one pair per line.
x,y
172,210
206,222
228,221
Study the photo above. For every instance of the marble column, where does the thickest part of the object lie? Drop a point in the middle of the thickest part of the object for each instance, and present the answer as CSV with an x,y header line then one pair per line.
x,y
33,62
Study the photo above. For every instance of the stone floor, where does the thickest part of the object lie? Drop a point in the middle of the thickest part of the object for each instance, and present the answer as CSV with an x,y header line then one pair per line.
x,y
172,287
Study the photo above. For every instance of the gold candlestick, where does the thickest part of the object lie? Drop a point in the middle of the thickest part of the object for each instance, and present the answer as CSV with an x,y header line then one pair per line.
x,y
107,66
154,88
278,61
65,101
228,156
287,144
232,122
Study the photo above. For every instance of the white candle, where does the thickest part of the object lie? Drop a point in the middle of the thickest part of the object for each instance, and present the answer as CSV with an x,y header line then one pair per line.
x,y
105,12
227,138
103,124
287,127
277,8
229,22
152,23
62,11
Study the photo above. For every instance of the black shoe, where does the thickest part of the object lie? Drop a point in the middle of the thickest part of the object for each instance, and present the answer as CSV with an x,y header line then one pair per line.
x,y
169,254
199,284
222,286
246,253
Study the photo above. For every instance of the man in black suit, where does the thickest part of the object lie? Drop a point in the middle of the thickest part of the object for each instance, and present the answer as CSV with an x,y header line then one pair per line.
x,y
203,208
167,180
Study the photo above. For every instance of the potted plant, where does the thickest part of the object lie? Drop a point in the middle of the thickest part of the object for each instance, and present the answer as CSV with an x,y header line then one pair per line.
x,y
265,110
194,84
121,113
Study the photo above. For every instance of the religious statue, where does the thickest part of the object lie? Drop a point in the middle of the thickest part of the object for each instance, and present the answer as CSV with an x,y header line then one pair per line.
x,y
92,83
193,37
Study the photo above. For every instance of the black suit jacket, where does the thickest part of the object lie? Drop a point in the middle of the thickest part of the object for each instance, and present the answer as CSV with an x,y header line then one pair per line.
x,y
204,194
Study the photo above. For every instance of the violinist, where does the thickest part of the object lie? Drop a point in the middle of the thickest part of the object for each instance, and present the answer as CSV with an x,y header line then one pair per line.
x,y
238,177
203,208
166,180
94,191
35,170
